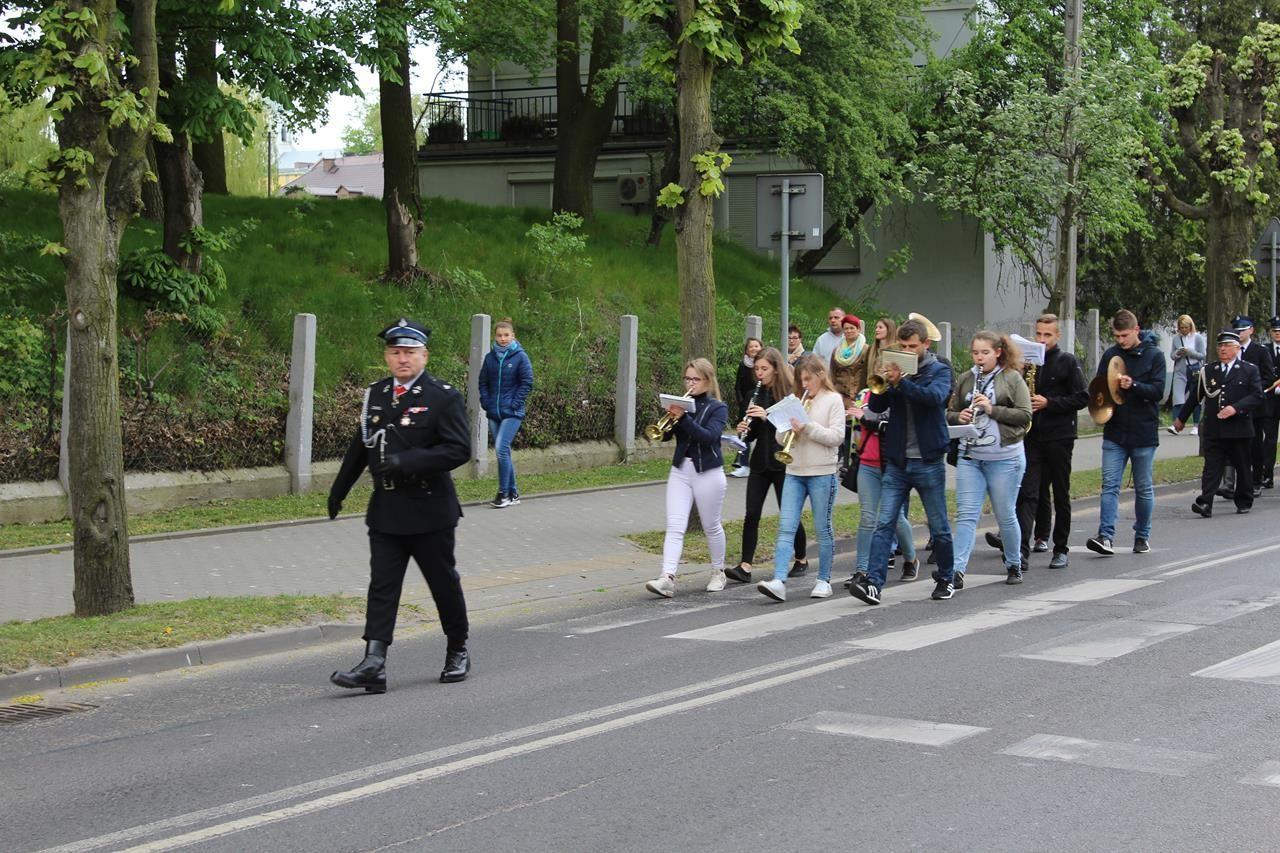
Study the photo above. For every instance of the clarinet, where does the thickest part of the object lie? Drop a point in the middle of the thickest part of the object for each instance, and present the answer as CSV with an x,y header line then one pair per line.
x,y
742,433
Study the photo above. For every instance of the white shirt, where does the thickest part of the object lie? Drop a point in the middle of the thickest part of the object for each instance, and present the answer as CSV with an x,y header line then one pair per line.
x,y
826,344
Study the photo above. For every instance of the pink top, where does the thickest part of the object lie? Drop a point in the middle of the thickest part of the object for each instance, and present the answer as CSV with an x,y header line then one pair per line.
x,y
870,455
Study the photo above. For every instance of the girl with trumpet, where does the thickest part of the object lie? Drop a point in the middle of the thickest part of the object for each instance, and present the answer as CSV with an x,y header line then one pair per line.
x,y
811,473
696,476
773,382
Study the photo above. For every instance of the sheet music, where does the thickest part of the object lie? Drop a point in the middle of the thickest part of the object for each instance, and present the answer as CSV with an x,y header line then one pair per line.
x,y
689,404
733,441
1032,351
781,413
963,431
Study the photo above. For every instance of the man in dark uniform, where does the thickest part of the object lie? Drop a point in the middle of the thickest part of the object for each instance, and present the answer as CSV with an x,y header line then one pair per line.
x,y
1230,390
1260,357
413,432
1270,420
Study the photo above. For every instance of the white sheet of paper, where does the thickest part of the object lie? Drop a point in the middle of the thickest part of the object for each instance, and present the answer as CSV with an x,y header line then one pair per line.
x,y
733,441
689,404
781,413
1032,351
962,431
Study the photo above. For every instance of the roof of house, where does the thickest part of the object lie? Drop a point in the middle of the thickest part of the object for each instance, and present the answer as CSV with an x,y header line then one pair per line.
x,y
359,174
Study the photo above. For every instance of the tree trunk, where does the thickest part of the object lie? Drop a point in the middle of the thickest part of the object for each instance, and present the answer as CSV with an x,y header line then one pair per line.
x,y
181,186
209,154
582,124
152,198
669,174
398,149
1228,243
693,220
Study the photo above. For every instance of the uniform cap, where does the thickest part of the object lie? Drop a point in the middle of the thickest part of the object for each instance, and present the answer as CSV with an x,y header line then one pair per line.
x,y
405,333
1240,321
1228,336
1275,322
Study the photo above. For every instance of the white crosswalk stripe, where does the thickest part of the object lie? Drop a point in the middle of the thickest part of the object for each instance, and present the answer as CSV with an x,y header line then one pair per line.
x,y
1261,665
923,732
1115,755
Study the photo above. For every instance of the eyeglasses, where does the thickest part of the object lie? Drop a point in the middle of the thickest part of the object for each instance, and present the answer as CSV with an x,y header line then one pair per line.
x,y
793,337
693,379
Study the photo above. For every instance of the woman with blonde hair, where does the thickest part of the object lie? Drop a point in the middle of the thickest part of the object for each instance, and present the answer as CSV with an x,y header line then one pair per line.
x,y
886,332
993,397
696,476
811,474
1188,349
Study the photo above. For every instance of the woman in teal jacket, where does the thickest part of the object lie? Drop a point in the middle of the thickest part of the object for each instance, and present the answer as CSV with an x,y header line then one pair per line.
x,y
506,378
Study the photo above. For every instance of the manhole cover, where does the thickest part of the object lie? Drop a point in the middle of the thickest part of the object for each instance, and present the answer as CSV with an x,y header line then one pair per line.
x,y
12,714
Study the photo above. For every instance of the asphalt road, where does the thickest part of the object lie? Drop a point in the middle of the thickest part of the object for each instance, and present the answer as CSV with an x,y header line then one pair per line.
x,y
1126,703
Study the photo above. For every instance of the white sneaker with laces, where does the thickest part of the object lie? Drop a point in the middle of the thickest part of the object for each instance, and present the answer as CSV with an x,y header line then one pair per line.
x,y
664,585
777,590
741,471
1195,430
717,581
821,589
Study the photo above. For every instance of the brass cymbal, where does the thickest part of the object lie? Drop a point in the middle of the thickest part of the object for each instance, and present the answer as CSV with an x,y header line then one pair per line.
x,y
1115,369
1101,406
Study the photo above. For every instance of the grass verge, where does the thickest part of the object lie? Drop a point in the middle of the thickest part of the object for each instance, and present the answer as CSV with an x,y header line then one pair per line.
x,y
1084,484
62,639
313,504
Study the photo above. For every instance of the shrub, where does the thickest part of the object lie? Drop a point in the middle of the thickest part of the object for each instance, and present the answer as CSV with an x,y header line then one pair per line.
x,y
522,128
23,362
444,131
557,249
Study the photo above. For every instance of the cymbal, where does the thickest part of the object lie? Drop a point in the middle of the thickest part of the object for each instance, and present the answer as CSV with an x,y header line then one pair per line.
x,y
1101,406
1115,369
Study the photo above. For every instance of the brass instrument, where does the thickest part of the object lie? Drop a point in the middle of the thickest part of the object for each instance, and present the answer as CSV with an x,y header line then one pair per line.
x,y
655,432
784,455
1101,404
1031,385
877,384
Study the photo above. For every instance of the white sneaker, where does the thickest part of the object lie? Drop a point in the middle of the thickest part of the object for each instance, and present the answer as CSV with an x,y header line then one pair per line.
x,y
777,590
1195,430
741,471
1172,430
821,589
664,585
716,583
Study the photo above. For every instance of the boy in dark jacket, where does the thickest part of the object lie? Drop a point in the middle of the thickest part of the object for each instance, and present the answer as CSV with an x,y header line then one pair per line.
x,y
1132,434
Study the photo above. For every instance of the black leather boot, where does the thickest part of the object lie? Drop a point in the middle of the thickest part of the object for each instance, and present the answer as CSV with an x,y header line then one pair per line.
x,y
370,673
457,663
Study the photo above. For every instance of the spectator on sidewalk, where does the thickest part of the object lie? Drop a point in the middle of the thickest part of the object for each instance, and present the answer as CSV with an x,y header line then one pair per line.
x,y
1188,349
506,378
832,337
744,384
848,369
795,346
1132,434
886,333
810,474
992,397
696,477
413,431
774,376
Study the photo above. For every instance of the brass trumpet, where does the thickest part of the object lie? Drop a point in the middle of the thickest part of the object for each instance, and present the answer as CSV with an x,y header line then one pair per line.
x,y
655,432
784,455
877,384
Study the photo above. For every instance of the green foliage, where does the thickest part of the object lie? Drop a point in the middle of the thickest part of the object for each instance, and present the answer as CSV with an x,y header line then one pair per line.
x,y
363,133
557,248
672,195
711,166
23,361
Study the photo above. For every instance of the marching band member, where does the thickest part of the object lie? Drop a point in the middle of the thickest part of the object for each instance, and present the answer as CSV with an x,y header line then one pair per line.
x,y
870,476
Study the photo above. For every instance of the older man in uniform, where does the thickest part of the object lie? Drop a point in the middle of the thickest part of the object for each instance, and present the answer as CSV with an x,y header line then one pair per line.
x,y
413,432
1260,357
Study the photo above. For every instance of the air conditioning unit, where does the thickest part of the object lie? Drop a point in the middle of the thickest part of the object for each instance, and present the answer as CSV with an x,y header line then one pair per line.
x,y
633,189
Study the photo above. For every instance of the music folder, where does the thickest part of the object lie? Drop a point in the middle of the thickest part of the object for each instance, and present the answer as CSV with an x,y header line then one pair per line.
x,y
689,404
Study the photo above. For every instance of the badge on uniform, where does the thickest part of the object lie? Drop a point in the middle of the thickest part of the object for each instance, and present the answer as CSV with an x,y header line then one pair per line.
x,y
417,409
404,421
375,419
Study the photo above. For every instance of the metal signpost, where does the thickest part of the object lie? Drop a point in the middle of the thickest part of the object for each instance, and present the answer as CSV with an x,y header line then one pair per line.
x,y
787,225
1268,250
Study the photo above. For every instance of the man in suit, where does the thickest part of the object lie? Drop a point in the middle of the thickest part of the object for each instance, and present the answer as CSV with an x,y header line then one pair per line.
x,y
1260,357
1270,420
412,433
1230,391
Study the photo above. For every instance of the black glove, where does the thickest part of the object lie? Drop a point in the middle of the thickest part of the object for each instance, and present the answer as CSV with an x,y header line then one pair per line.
x,y
335,506
386,466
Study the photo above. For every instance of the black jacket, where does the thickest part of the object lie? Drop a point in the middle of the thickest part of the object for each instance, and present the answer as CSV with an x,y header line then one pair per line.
x,y
1061,382
697,436
1136,423
426,438
765,436
1242,389
1260,356
1273,401
743,385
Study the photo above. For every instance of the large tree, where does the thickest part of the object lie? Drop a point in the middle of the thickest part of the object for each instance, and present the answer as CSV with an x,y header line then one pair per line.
x,y
1223,85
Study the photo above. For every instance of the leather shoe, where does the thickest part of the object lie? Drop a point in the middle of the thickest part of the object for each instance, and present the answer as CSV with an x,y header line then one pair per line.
x,y
457,663
335,507
1241,510
1226,494
1203,510
370,673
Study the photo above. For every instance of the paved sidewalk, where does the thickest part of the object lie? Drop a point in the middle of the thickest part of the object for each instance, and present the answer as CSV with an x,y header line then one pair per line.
x,y
568,536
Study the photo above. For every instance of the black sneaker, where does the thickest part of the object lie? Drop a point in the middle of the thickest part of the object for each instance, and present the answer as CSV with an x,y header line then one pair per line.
x,y
738,573
1141,546
855,578
513,499
994,540
1202,509
863,590
1101,545
942,591
500,501
1013,575
910,570
957,580
1040,546
797,568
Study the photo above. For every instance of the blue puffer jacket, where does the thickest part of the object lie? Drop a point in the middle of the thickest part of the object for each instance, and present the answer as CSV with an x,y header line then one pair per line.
x,y
1137,422
505,382
925,394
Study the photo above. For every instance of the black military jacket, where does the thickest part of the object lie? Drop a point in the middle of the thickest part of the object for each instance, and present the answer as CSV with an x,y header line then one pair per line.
x,y
428,434
1242,389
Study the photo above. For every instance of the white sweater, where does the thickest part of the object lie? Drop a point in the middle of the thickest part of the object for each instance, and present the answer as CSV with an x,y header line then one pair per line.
x,y
815,449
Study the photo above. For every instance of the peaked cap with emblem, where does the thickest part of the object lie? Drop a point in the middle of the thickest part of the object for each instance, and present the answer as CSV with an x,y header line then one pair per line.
x,y
1275,323
1240,321
405,333
1228,336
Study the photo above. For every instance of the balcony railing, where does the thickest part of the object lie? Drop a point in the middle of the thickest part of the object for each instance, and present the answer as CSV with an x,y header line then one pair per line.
x,y
527,115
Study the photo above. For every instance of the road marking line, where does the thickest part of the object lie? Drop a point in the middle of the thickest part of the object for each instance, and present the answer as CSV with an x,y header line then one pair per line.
x,y
1097,644
1226,604
1117,756
1087,590
428,774
609,620
923,732
921,636
1195,567
1261,665
1267,774
789,618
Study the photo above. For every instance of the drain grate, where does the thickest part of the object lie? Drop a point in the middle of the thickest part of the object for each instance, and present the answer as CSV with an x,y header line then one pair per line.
x,y
13,714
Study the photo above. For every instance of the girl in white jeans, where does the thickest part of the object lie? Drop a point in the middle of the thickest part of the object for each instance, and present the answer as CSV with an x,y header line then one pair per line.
x,y
696,477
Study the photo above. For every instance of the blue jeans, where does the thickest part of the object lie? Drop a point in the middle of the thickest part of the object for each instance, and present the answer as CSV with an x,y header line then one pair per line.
x,y
869,478
1114,458
929,479
820,489
975,479
503,433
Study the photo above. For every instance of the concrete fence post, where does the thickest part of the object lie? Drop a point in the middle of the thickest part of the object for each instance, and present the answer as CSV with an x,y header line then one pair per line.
x,y
1093,343
624,392
64,455
755,328
480,335
944,345
302,386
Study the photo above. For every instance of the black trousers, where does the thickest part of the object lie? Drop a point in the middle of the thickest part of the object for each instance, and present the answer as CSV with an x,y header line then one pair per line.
x,y
1264,470
1044,511
389,557
1218,453
1048,467
757,490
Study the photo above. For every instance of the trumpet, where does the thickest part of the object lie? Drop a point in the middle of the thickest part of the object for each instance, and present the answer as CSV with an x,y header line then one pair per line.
x,y
877,384
784,455
655,432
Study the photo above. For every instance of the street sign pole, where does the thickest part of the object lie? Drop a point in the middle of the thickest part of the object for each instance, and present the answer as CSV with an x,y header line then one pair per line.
x,y
785,200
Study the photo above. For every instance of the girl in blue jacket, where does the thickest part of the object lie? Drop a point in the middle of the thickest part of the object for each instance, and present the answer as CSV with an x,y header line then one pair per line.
x,y
506,378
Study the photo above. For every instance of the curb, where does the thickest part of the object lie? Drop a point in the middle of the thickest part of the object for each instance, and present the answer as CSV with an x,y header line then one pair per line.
x,y
181,657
